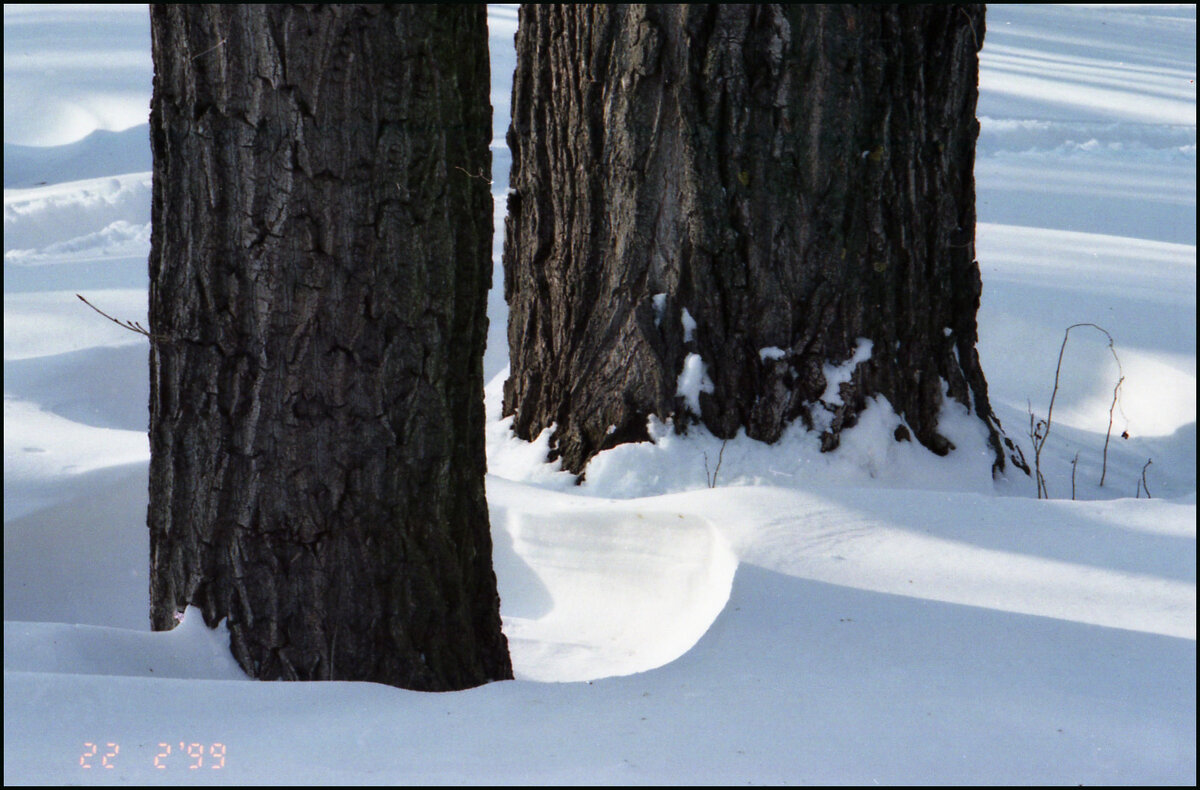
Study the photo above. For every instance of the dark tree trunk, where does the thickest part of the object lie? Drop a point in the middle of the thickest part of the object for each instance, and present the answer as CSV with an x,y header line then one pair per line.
x,y
320,260
795,177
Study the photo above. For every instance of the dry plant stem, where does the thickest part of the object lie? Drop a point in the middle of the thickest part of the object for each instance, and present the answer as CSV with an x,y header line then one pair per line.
x,y
1038,436
1148,462
1074,463
1107,436
712,483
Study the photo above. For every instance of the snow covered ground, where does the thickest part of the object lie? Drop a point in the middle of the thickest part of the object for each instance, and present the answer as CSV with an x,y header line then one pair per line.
x,y
876,614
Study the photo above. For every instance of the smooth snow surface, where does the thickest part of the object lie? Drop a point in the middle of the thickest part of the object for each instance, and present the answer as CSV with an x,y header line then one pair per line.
x,y
571,577
693,611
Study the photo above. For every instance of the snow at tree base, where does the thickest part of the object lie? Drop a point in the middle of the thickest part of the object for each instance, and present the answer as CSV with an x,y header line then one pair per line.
x,y
695,611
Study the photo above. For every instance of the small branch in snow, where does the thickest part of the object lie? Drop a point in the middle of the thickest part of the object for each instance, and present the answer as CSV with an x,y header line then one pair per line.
x,y
1142,483
1074,463
712,482
1039,430
1107,436
1037,437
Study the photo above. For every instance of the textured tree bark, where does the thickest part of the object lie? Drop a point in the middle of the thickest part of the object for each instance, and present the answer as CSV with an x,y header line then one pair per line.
x,y
796,178
320,259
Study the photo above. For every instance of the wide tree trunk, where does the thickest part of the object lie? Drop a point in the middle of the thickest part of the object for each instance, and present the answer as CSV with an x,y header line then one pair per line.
x,y
320,259
746,192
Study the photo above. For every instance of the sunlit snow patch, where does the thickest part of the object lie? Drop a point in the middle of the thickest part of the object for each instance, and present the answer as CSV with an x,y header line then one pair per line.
x,y
40,445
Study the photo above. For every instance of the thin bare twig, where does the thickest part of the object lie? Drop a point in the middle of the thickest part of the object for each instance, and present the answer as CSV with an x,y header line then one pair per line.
x,y
971,23
1148,462
214,46
479,175
132,326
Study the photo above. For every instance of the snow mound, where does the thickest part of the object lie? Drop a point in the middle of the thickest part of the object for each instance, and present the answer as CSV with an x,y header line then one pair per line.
x,y
587,593
101,153
189,651
1128,564
78,220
